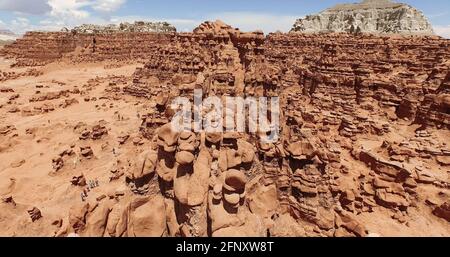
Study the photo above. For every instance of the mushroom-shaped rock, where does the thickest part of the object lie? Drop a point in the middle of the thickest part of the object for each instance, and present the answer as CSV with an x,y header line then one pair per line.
x,y
145,165
161,100
186,136
167,169
214,137
187,141
233,158
235,181
268,149
246,151
233,199
189,147
149,163
167,138
184,157
221,218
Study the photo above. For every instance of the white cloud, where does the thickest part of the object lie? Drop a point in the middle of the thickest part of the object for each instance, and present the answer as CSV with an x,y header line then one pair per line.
x,y
250,21
18,25
107,5
68,9
20,21
26,6
59,13
56,7
443,31
183,25
437,15
70,13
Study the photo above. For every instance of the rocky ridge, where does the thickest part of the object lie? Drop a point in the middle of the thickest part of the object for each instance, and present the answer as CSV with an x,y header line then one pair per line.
x,y
138,26
7,36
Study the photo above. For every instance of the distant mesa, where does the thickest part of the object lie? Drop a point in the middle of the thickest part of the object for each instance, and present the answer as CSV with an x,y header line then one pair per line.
x,y
138,26
7,36
369,16
7,32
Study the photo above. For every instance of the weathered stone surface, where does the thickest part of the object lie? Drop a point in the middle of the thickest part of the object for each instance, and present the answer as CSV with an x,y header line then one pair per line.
x,y
369,16
362,136
147,217
443,211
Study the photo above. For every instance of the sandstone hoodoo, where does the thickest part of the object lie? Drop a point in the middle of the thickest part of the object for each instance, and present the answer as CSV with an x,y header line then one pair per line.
x,y
369,16
87,135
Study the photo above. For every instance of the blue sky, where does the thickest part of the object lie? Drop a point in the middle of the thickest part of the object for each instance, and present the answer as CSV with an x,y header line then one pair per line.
x,y
268,15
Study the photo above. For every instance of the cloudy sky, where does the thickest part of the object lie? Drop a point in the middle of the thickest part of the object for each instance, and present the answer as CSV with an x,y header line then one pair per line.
x,y
268,15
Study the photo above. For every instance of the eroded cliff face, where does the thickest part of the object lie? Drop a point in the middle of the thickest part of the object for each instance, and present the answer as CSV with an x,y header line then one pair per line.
x,y
363,137
369,16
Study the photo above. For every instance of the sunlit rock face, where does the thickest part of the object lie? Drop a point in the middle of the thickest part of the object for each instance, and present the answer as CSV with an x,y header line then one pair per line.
x,y
87,143
369,16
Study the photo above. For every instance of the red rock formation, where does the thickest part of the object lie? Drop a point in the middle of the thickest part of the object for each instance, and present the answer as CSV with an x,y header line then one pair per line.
x,y
335,91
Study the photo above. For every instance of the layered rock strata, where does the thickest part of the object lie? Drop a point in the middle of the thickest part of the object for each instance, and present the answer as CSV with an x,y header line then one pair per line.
x,y
369,16
345,153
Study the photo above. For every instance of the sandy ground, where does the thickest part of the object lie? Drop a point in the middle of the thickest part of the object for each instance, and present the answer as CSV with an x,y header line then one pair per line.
x,y
35,183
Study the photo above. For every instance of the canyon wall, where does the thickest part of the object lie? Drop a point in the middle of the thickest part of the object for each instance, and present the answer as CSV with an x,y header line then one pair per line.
x,y
319,179
390,70
40,48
